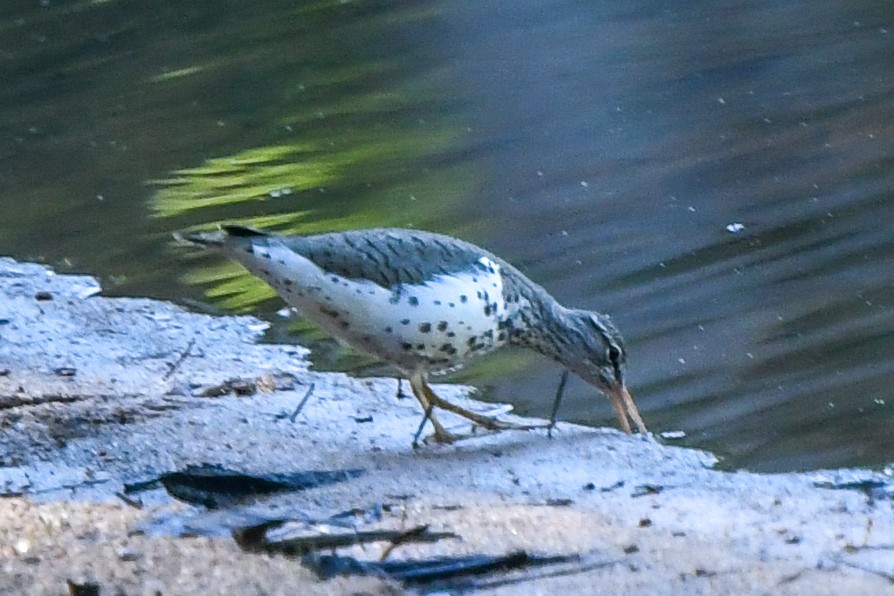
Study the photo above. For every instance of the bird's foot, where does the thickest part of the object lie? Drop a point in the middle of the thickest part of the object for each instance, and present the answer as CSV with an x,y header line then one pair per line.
x,y
443,437
441,434
487,422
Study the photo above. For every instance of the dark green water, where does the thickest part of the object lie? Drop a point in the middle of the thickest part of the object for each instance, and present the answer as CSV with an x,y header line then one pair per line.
x,y
605,148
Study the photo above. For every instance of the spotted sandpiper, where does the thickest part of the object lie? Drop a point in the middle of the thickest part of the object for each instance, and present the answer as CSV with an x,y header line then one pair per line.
x,y
427,303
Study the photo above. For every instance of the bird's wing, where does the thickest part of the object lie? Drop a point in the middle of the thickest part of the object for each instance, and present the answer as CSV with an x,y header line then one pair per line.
x,y
389,257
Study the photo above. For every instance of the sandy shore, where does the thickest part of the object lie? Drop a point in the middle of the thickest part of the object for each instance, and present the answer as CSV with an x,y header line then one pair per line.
x,y
97,393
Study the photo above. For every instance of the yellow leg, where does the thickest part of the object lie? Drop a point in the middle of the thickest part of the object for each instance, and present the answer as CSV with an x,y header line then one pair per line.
x,y
418,385
480,419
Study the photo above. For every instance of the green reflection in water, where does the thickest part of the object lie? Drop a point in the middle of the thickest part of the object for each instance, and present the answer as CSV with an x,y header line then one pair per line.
x,y
252,175
175,74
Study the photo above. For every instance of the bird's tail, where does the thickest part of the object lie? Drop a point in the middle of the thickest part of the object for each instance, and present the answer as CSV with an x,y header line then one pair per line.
x,y
227,234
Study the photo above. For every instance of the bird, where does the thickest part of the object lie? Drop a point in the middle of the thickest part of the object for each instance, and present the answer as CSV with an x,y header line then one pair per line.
x,y
428,303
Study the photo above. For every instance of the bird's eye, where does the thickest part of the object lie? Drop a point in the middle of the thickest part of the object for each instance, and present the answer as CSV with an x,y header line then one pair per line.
x,y
613,354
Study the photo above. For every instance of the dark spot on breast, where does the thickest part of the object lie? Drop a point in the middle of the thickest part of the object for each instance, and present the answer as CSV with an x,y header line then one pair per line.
x,y
250,250
448,349
420,347
451,304
405,322
389,329
424,327
287,282
281,261
413,301
266,255
487,310
489,334
442,326
451,334
437,303
463,298
334,279
345,324
329,312
471,341
406,346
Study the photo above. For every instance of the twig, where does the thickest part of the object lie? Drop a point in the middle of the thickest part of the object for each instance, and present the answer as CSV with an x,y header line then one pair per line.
x,y
427,572
135,503
254,538
304,399
173,367
412,535
558,400
571,568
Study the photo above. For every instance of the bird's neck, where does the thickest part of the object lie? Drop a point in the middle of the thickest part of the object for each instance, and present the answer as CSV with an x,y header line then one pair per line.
x,y
542,324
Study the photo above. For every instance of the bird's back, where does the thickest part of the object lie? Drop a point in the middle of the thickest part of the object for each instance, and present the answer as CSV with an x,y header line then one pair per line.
x,y
388,256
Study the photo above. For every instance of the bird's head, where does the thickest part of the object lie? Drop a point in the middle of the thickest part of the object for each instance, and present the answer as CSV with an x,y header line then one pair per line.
x,y
592,347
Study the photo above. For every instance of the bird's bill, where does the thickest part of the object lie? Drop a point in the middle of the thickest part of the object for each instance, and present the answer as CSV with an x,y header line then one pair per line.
x,y
625,409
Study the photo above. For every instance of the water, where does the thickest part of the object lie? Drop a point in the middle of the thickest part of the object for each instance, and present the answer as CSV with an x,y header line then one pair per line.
x,y
717,177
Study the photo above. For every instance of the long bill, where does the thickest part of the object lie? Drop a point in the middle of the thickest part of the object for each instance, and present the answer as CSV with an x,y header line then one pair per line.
x,y
624,407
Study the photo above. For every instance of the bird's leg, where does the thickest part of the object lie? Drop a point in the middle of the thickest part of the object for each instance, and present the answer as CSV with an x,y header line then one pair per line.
x,y
425,419
480,419
442,435
400,390
559,392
